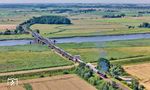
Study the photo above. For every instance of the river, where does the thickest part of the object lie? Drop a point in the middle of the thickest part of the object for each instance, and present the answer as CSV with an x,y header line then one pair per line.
x,y
81,39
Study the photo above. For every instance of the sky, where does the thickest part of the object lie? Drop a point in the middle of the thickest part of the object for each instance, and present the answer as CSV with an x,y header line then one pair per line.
x,y
75,1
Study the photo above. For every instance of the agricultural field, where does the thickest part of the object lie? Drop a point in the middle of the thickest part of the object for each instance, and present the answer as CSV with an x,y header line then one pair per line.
x,y
99,20
141,72
129,12
120,52
72,82
17,15
13,58
7,26
89,27
85,25
29,57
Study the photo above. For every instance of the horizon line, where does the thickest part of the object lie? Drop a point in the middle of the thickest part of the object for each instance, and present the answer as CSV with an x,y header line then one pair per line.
x,y
69,3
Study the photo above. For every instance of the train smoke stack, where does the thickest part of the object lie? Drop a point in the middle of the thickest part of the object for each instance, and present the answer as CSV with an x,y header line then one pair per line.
x,y
103,53
101,45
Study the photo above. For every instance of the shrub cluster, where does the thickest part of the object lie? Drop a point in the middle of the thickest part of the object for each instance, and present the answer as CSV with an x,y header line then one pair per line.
x,y
145,25
114,16
94,79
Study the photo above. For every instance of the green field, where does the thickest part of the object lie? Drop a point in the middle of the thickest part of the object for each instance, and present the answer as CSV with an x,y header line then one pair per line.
x,y
25,57
86,25
28,57
115,51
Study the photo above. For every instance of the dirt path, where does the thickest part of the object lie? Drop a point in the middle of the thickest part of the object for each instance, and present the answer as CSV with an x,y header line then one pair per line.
x,y
37,70
60,82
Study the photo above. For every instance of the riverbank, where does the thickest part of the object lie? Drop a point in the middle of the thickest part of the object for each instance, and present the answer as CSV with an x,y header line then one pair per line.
x,y
103,38
14,58
62,37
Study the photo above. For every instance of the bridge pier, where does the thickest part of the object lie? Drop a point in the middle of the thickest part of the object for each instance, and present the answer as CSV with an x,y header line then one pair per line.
x,y
36,41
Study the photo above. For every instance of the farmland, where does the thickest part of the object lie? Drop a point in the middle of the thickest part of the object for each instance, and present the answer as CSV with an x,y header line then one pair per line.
x,y
27,57
86,25
120,52
7,26
72,81
141,72
90,27
85,22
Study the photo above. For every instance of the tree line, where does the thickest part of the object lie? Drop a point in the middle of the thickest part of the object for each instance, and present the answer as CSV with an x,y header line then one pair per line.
x,y
114,16
105,67
94,79
145,25
115,71
43,20
21,28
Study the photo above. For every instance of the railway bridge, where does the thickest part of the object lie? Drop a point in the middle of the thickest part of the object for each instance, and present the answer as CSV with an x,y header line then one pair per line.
x,y
41,40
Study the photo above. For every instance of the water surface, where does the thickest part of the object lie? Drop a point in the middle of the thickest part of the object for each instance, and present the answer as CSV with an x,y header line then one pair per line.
x,y
81,39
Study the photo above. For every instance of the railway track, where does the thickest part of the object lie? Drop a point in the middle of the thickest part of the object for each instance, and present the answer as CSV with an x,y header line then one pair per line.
x,y
75,59
65,54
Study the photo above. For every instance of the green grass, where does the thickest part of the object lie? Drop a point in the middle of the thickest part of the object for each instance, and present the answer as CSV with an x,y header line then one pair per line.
x,y
115,50
86,24
28,57
38,74
119,20
137,60
110,44
88,27
13,37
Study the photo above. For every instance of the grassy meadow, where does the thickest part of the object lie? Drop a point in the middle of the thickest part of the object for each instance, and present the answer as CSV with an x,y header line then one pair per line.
x,y
120,52
28,57
87,25
99,26
25,57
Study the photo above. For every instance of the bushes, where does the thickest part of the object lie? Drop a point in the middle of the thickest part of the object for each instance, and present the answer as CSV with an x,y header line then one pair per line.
x,y
145,25
27,86
114,16
49,20
93,79
8,32
116,70
103,65
136,86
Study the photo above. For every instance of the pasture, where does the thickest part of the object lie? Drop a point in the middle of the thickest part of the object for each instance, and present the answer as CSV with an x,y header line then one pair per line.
x,y
119,52
27,57
89,26
86,25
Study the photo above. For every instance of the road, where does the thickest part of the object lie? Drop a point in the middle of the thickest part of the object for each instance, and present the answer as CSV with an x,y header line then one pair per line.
x,y
37,70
